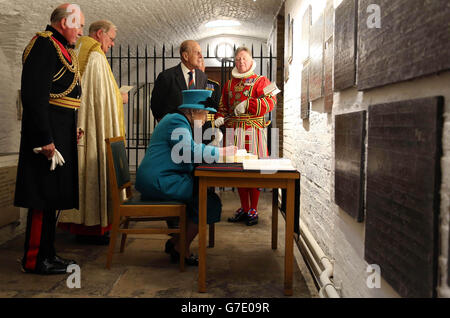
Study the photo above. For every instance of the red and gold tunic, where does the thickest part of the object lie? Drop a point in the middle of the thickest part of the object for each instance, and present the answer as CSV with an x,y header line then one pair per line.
x,y
249,127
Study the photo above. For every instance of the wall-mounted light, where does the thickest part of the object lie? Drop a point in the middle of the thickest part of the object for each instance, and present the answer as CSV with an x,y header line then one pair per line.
x,y
222,23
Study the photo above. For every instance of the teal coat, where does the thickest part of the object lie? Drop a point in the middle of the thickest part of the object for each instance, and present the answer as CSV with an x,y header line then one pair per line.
x,y
166,172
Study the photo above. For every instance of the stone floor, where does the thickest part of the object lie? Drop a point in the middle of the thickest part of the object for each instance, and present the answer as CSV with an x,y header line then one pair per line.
x,y
241,265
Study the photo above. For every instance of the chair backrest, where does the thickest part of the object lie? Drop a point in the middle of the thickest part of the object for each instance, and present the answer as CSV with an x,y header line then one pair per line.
x,y
118,156
120,163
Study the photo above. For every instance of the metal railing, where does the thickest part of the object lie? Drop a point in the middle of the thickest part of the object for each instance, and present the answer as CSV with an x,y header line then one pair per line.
x,y
141,72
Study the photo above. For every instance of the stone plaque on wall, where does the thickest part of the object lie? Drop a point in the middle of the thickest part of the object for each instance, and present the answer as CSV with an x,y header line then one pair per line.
x,y
328,55
304,41
329,20
349,163
304,108
328,75
8,212
411,40
403,193
345,45
316,60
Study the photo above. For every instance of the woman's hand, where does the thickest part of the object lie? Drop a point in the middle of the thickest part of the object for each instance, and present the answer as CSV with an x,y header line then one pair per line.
x,y
218,136
227,151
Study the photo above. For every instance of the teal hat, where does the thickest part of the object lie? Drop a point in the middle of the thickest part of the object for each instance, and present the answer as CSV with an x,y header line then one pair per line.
x,y
197,99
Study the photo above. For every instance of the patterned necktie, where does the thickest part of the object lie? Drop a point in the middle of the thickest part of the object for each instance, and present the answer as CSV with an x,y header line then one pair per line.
x,y
191,80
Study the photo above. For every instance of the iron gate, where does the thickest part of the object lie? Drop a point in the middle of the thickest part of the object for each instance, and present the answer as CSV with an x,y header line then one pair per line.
x,y
139,121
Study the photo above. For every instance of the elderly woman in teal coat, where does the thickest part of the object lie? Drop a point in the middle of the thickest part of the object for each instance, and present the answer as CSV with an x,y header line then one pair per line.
x,y
166,172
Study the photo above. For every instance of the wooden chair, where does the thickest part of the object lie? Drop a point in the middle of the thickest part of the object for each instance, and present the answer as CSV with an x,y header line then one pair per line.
x,y
133,209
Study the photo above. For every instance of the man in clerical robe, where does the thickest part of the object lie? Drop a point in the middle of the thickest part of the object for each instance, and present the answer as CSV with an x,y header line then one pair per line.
x,y
100,116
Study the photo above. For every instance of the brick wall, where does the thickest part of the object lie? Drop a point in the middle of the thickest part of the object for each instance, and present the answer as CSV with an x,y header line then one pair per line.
x,y
310,144
280,77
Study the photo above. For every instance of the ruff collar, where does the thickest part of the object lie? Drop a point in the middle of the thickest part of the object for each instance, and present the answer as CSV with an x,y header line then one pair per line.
x,y
236,74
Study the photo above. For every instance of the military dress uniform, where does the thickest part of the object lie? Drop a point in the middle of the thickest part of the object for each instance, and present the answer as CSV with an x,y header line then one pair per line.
x,y
248,128
50,92
215,101
249,134
216,94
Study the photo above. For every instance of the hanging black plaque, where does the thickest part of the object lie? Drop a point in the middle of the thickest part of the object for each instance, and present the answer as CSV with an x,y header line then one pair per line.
x,y
316,60
328,55
349,168
329,20
304,111
345,45
304,41
328,75
403,193
401,40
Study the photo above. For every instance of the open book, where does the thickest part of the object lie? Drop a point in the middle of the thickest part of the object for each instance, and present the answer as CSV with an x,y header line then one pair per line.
x,y
281,164
271,89
238,157
125,89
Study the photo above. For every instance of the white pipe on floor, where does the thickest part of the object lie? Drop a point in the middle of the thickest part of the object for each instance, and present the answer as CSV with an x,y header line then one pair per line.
x,y
313,250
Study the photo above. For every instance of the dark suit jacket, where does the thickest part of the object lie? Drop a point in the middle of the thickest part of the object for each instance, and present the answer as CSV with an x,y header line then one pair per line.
x,y
166,95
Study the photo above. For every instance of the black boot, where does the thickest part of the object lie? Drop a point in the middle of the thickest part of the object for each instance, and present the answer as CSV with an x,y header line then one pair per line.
x,y
62,261
192,260
252,217
47,267
239,216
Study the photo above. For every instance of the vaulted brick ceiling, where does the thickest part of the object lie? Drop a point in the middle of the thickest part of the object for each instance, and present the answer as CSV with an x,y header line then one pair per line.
x,y
163,21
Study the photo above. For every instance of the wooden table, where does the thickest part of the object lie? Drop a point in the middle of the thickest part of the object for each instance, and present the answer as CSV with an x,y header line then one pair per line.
x,y
250,179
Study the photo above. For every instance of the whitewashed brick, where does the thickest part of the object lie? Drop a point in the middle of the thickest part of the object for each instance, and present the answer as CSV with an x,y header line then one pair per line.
x,y
312,151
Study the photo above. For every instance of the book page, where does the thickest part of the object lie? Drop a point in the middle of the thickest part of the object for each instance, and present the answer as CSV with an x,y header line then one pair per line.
x,y
273,165
125,89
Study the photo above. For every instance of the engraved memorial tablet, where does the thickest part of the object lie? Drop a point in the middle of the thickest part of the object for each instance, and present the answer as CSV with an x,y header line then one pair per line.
x,y
329,20
401,40
403,193
304,41
304,111
316,60
349,164
345,45
328,75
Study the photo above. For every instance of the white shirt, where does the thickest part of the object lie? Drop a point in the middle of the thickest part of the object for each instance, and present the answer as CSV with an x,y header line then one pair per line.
x,y
186,71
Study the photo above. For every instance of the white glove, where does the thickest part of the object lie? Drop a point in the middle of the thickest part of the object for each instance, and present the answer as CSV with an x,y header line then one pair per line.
x,y
218,138
219,122
240,108
57,158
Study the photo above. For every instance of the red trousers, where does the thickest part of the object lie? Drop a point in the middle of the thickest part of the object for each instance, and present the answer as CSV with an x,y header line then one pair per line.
x,y
39,237
249,198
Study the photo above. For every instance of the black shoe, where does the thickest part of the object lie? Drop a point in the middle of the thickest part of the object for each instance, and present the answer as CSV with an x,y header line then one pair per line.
x,y
93,239
252,217
169,246
46,267
175,258
239,215
62,261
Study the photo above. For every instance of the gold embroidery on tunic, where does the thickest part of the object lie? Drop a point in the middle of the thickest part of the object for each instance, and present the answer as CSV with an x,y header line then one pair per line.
x,y
58,76
73,68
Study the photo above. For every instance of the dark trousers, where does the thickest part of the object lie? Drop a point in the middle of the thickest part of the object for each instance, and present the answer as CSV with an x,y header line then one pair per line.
x,y
171,224
40,237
